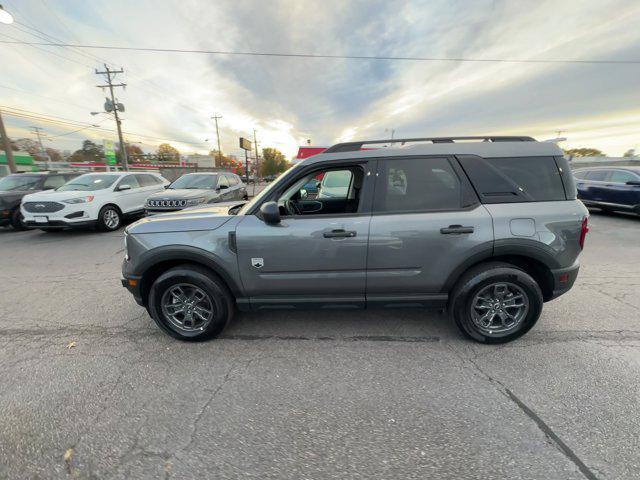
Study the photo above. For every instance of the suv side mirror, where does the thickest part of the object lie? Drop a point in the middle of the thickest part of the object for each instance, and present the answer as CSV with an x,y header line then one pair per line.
x,y
633,182
223,187
270,213
124,187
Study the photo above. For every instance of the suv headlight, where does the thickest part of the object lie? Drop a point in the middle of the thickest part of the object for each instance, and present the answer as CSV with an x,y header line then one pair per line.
x,y
195,201
79,199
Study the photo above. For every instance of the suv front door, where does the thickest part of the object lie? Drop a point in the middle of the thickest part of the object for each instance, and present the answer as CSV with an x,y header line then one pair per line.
x,y
426,221
310,257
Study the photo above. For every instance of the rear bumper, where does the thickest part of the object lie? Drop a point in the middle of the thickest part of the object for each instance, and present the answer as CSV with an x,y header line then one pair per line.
x,y
563,279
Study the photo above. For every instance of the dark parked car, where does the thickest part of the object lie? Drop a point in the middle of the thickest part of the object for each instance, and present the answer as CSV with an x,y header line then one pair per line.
x,y
195,189
489,229
610,188
14,187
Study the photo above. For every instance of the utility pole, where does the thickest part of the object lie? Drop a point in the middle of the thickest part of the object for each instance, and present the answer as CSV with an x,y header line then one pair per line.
x,y
111,74
43,152
216,117
256,169
6,144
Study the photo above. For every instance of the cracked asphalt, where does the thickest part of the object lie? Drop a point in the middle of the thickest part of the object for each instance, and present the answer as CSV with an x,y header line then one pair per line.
x,y
371,394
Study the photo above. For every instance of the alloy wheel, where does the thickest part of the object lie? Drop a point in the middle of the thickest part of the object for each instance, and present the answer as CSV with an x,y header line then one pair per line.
x,y
499,308
187,307
111,219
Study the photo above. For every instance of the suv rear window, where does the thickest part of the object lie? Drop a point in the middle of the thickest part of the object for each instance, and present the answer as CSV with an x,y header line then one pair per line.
x,y
514,179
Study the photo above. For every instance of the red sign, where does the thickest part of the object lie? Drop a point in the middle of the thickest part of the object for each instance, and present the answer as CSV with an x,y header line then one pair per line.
x,y
306,152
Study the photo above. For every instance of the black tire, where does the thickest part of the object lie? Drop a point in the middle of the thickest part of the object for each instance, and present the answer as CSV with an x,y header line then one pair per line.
x,y
483,277
219,297
104,225
17,221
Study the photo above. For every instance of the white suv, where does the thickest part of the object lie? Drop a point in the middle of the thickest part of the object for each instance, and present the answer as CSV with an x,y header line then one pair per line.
x,y
93,199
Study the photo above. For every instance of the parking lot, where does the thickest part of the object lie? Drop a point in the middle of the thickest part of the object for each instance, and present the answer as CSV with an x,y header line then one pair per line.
x,y
90,387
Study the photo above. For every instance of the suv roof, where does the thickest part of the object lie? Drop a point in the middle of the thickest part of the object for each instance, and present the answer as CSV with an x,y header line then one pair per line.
x,y
491,146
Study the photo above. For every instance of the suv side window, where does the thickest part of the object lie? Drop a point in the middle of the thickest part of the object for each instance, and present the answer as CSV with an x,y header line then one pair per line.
x,y
597,175
130,180
581,175
514,179
222,180
54,181
416,184
146,180
621,176
233,180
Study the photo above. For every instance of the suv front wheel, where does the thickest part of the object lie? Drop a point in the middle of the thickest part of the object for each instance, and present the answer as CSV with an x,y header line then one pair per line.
x,y
190,303
496,303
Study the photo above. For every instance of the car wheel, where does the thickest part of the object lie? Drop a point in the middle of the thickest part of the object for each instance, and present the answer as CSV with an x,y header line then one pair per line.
x,y
190,303
495,303
109,219
17,222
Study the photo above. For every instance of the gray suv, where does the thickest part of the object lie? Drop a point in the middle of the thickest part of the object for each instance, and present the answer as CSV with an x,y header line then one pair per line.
x,y
487,227
195,189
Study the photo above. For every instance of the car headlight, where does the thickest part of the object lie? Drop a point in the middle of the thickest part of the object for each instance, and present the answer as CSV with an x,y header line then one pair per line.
x,y
195,201
79,199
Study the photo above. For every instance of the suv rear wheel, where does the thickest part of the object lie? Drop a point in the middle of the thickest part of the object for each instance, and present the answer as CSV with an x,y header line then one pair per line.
x,y
496,303
190,303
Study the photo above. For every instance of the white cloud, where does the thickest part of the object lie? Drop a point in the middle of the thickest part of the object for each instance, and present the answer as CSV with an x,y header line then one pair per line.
x,y
172,96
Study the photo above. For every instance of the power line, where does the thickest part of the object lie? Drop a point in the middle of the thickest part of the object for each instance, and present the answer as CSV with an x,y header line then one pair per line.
x,y
326,56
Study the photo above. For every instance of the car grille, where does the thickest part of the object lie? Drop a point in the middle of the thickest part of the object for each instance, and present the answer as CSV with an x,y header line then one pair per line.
x,y
167,203
42,207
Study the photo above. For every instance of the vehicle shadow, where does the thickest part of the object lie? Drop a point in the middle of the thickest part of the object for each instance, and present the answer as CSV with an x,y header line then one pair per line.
x,y
399,325
609,214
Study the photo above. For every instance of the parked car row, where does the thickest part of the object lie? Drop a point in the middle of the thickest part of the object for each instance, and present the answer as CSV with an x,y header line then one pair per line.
x,y
54,201
609,188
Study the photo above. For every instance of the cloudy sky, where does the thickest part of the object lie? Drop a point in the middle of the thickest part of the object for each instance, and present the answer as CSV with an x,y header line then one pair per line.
x,y
171,96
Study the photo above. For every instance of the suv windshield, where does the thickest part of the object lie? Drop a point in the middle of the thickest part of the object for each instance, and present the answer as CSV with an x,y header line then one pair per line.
x,y
20,182
192,181
89,182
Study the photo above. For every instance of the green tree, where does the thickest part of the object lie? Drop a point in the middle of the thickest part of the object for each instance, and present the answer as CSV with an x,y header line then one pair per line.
x,y
167,153
584,152
630,153
90,152
273,162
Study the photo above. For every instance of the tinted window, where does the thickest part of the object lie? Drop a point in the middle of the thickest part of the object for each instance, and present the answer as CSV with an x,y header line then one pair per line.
x,y
53,181
417,185
597,175
195,181
517,179
581,175
90,182
620,176
20,182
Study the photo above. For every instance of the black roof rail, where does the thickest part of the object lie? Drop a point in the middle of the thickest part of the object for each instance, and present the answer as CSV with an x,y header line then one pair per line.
x,y
354,146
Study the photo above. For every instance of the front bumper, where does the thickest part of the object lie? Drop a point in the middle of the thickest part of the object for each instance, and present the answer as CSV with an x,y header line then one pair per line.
x,y
79,215
563,279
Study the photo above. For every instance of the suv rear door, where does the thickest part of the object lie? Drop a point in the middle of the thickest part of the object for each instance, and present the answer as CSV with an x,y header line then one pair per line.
x,y
619,191
426,221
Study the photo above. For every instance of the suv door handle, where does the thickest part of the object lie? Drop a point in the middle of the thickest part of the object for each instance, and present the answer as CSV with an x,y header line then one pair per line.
x,y
455,229
339,234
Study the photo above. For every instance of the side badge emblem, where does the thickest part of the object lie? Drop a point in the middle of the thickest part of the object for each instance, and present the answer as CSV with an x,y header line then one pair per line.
x,y
257,262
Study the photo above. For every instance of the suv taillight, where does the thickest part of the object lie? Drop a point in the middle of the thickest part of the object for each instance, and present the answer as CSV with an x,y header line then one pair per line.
x,y
583,231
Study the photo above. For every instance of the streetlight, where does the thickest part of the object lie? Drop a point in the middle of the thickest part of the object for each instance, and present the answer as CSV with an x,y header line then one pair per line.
x,y
5,17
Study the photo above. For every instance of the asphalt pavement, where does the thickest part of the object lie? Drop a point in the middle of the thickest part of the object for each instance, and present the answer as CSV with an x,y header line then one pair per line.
x,y
91,388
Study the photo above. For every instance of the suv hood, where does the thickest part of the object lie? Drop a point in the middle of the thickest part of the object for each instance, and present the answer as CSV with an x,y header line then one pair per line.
x,y
204,217
183,193
54,196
